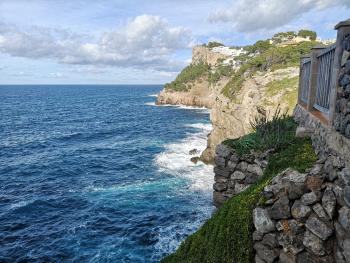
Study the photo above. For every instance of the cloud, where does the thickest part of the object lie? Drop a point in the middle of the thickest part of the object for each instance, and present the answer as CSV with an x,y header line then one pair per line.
x,y
253,15
145,42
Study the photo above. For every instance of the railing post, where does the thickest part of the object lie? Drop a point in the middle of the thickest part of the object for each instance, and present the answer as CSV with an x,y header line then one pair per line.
x,y
313,76
343,30
302,58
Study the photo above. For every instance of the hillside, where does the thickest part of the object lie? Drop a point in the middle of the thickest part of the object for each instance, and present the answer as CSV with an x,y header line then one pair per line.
x,y
234,81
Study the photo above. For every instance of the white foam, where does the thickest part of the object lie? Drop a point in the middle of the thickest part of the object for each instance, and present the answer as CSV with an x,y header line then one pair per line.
x,y
201,126
153,95
175,160
179,106
150,104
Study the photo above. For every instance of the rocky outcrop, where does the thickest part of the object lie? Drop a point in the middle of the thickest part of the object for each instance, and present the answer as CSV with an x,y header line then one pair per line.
x,y
234,173
202,94
202,54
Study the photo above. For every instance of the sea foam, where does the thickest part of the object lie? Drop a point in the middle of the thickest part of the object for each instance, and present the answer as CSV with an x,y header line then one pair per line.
x,y
176,159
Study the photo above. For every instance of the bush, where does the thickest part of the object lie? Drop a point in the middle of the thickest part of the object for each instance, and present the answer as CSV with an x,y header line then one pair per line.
x,y
227,236
214,44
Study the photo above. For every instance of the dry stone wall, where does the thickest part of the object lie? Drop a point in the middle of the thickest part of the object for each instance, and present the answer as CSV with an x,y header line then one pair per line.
x,y
234,173
342,109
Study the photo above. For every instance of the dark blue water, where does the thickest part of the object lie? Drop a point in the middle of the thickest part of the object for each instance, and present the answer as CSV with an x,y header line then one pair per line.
x,y
98,174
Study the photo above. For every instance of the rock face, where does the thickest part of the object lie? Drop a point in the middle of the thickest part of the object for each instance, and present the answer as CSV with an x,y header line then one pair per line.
x,y
206,55
233,173
202,94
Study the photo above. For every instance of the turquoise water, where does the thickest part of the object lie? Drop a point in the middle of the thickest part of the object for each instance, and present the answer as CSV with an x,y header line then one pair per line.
x,y
98,174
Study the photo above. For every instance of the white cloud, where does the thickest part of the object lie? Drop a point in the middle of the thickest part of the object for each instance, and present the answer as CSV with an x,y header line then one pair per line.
x,y
253,15
145,42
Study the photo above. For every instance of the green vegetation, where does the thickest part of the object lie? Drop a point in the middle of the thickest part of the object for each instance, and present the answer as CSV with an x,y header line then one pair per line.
x,y
222,70
307,33
213,44
227,236
272,58
190,73
280,37
288,87
260,46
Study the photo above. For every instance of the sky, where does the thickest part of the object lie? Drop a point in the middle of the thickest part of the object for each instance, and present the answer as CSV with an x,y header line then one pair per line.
x,y
139,41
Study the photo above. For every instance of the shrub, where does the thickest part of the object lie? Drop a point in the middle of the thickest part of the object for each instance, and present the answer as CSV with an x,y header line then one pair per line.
x,y
307,33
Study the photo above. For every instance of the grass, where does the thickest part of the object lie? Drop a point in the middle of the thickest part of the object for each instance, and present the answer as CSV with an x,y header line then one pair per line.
x,y
227,236
287,87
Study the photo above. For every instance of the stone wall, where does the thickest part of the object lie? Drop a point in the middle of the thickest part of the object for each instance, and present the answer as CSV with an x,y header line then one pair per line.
x,y
234,174
306,217
342,109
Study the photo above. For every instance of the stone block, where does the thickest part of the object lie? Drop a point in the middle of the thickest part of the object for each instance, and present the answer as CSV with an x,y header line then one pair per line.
x,y
280,209
262,221
220,187
311,198
238,175
221,172
300,211
329,202
319,228
314,243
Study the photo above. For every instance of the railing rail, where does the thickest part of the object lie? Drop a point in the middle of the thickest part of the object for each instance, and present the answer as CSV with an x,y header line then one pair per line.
x,y
324,79
305,79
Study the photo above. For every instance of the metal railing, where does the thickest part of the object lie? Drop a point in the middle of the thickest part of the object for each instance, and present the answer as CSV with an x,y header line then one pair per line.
x,y
305,79
324,79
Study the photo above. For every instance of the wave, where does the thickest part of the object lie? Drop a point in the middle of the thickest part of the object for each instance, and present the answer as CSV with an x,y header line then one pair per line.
x,y
153,95
201,126
176,160
179,106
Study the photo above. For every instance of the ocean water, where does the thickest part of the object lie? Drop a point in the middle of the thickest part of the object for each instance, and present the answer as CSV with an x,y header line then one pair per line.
x,y
98,174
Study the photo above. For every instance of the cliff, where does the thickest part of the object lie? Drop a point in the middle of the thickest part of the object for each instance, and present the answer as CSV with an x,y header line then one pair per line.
x,y
212,76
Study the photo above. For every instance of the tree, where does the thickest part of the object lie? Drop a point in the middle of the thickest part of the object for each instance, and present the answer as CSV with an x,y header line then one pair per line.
x,y
307,33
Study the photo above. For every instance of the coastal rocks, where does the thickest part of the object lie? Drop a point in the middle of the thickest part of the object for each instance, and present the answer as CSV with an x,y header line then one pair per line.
x,y
234,173
299,215
194,152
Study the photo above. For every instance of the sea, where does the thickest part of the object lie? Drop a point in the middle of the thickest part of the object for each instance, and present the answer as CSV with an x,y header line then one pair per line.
x,y
92,173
